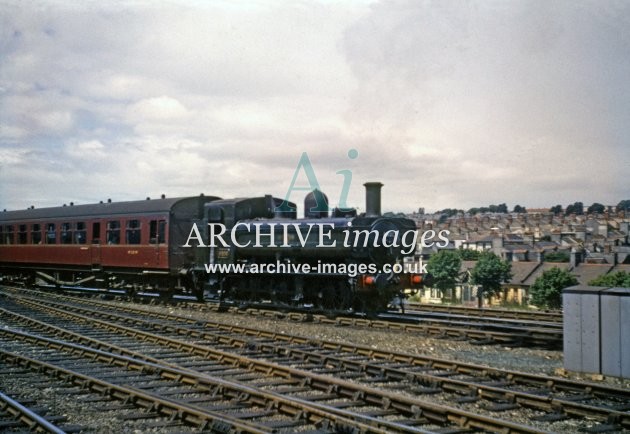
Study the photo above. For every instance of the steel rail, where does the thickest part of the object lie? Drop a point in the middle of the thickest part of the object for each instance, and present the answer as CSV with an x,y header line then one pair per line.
x,y
416,315
188,413
319,411
116,349
548,336
546,402
407,406
553,383
537,336
26,416
551,316
487,334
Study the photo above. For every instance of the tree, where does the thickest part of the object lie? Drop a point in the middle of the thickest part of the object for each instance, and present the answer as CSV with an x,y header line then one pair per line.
x,y
556,209
444,270
449,211
596,208
619,279
488,274
576,208
624,205
468,254
519,209
557,257
547,289
502,208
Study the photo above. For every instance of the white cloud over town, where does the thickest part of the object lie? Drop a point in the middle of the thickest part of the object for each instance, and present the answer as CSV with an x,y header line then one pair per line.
x,y
449,103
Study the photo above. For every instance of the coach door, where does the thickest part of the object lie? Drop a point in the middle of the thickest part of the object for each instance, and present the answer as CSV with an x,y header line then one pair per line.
x,y
96,243
157,238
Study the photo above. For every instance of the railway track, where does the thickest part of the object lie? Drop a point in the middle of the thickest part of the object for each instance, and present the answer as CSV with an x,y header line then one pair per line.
x,y
156,390
477,330
335,396
513,330
455,386
531,315
15,416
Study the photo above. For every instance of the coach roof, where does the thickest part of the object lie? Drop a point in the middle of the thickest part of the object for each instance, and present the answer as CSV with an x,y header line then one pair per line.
x,y
98,209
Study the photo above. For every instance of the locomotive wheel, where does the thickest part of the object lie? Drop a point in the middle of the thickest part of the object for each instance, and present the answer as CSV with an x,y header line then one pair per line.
x,y
343,297
336,296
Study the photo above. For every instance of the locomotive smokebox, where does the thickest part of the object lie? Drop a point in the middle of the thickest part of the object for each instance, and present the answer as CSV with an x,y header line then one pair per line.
x,y
373,199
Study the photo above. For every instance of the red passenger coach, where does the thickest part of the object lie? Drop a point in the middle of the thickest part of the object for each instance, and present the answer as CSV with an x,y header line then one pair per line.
x,y
133,245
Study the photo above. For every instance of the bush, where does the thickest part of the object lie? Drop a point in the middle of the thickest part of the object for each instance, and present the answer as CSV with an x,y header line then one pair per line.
x,y
546,292
618,279
557,257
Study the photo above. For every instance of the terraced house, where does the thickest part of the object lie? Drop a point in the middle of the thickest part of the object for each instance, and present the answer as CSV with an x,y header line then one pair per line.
x,y
588,246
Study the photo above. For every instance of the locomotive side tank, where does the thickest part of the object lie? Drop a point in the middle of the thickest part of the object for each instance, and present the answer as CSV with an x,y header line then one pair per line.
x,y
346,255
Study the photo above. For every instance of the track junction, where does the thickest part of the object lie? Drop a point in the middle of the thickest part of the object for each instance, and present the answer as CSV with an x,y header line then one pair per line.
x,y
178,371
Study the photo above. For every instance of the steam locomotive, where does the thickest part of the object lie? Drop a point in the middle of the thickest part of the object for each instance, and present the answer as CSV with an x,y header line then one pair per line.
x,y
243,249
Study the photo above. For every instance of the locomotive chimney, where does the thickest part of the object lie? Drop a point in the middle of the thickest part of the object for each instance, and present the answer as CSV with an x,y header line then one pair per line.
x,y
373,199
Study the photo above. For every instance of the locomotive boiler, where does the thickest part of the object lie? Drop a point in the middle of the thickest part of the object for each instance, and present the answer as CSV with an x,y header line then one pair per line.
x,y
258,250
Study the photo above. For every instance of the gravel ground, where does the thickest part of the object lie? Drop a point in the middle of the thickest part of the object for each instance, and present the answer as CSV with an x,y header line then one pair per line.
x,y
530,360
90,416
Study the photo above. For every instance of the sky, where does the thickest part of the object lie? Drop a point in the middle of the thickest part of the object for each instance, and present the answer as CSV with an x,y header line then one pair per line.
x,y
448,103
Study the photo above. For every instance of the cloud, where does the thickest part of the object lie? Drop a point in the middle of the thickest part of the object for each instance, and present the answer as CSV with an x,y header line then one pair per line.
x,y
449,104
162,108
91,149
507,92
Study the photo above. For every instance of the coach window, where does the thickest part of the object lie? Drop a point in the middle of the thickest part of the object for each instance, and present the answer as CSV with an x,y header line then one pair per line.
x,y
22,234
80,234
36,233
133,232
157,231
51,234
6,236
113,232
66,233
8,232
96,232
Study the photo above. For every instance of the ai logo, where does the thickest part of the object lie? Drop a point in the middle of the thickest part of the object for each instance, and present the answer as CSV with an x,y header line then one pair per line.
x,y
305,164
